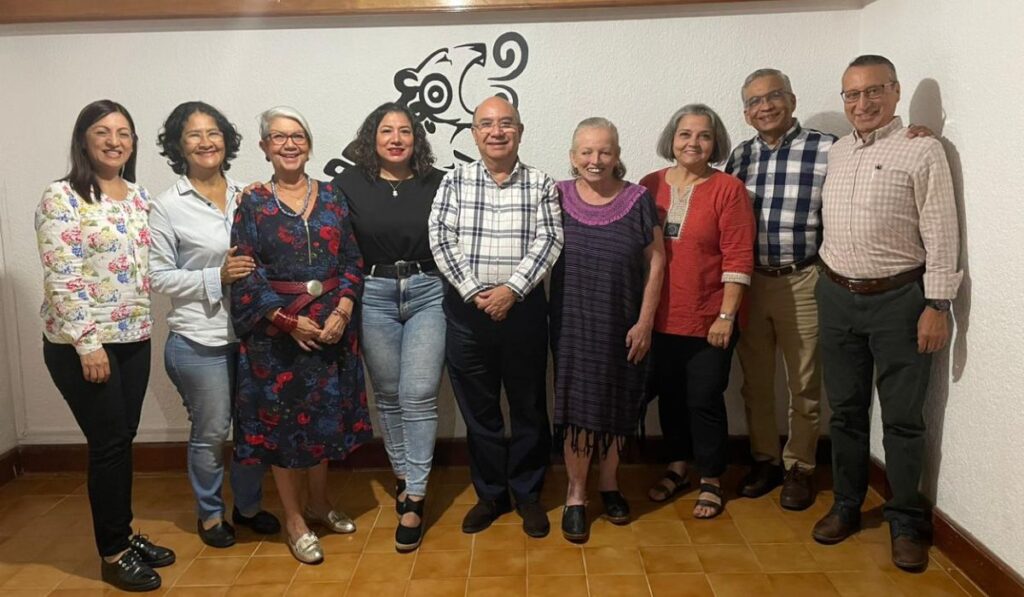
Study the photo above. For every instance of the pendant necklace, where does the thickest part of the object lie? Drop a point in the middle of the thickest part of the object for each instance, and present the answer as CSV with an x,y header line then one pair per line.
x,y
394,187
299,214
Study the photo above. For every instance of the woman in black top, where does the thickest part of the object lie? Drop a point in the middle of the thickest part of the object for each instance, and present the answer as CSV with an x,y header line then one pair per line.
x,y
390,192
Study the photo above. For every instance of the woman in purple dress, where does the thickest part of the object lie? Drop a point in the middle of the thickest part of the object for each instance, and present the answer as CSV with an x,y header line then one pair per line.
x,y
301,399
604,294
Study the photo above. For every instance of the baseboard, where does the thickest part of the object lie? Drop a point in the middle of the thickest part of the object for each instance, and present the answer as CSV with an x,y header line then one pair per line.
x,y
983,567
9,466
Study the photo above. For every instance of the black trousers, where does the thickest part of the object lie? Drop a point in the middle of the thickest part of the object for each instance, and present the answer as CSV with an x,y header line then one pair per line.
x,y
483,356
108,415
865,338
690,378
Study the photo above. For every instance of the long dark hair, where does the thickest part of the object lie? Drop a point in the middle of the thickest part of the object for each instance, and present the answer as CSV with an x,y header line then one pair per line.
x,y
169,139
363,150
82,176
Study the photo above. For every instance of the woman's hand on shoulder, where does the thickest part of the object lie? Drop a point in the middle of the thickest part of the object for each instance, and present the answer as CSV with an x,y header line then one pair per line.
x,y
252,187
95,366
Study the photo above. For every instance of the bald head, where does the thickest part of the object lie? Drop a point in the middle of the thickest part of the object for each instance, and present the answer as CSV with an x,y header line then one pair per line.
x,y
497,130
497,101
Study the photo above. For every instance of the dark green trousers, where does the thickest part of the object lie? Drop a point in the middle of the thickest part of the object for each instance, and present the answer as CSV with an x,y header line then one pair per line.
x,y
874,337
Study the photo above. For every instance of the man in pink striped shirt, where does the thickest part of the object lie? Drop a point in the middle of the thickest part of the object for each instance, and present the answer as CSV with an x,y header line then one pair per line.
x,y
890,249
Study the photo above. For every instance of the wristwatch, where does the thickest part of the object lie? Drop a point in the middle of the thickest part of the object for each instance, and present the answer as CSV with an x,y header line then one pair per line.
x,y
727,317
939,304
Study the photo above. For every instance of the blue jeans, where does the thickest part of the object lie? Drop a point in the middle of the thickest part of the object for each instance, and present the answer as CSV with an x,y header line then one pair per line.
x,y
403,347
205,378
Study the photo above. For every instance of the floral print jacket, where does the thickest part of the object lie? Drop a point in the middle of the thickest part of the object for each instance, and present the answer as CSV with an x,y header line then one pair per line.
x,y
95,260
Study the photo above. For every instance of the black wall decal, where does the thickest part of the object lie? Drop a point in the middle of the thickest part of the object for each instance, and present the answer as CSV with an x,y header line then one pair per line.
x,y
443,90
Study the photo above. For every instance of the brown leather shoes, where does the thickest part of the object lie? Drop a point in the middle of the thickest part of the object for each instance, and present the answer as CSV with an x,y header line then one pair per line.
x,y
909,553
835,527
798,489
762,478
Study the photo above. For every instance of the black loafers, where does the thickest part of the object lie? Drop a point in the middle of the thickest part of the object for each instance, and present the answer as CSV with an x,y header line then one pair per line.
x,y
616,508
221,535
130,573
574,524
263,522
151,554
762,478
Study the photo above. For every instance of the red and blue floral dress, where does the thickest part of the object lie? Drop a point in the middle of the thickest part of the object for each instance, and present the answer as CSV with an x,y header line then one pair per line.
x,y
294,408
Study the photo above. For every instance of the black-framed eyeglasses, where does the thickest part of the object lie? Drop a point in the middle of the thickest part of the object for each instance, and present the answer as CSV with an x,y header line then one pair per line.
x,y
852,96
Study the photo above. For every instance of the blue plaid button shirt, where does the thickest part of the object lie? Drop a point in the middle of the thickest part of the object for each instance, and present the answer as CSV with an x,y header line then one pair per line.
x,y
785,184
484,234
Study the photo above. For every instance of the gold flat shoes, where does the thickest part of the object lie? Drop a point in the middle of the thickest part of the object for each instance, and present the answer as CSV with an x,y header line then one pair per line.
x,y
335,520
306,548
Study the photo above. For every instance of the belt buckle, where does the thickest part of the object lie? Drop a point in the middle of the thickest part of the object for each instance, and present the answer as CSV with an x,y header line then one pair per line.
x,y
404,269
314,288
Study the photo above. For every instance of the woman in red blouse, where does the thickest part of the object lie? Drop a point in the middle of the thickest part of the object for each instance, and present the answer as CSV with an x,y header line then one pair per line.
x,y
708,226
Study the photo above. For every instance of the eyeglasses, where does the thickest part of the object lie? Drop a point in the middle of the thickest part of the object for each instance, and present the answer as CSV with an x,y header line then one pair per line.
x,y
197,137
277,138
774,97
507,125
852,96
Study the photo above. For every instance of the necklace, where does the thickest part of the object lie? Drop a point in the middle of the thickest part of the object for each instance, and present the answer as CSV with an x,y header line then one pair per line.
x,y
394,187
284,209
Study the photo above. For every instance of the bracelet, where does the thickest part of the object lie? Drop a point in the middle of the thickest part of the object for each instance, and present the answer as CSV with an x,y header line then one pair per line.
x,y
285,323
343,315
727,317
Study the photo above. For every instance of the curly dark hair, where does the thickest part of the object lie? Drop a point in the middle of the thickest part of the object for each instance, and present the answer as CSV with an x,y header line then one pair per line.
x,y
363,149
169,140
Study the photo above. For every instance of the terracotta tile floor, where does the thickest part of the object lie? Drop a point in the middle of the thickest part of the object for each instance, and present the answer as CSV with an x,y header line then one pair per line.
x,y
754,549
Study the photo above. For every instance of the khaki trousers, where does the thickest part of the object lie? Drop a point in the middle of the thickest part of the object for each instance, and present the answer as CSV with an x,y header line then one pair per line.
x,y
783,315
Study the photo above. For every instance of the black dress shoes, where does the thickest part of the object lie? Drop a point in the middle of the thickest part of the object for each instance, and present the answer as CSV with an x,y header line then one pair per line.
x,y
130,573
483,514
221,535
263,522
574,524
763,477
151,554
535,519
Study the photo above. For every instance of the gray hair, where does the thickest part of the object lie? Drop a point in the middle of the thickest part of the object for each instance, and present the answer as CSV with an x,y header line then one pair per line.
x,y
722,143
875,60
597,122
284,112
766,72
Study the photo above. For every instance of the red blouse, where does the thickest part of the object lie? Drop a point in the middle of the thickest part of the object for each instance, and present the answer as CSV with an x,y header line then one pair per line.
x,y
716,245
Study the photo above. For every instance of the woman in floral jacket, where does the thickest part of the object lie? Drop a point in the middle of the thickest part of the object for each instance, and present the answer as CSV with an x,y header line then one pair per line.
x,y
93,236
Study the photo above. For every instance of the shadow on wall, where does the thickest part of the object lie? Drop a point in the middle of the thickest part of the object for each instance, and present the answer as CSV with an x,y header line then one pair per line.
x,y
926,109
829,122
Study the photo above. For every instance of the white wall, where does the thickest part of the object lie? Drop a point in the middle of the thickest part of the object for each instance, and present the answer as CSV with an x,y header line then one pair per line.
x,y
636,71
960,73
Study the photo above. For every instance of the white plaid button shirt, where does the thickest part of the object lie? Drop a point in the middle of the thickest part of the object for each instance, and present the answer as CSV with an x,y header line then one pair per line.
x,y
484,234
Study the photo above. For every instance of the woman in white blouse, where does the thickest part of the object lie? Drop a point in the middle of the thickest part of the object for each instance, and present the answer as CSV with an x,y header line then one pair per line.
x,y
94,241
192,263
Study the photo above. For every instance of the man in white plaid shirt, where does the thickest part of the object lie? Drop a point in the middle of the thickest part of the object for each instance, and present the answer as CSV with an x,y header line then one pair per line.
x,y
496,231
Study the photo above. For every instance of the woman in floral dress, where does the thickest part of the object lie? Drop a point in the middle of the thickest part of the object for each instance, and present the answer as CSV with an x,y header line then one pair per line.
x,y
301,399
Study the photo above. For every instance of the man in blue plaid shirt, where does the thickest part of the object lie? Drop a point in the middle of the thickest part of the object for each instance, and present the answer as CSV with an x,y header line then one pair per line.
x,y
783,167
496,231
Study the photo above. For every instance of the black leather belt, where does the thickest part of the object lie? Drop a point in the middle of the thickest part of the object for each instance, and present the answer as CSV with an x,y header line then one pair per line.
x,y
402,269
785,270
875,285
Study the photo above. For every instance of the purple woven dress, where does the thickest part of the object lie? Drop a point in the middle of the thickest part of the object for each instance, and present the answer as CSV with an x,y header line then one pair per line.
x,y
597,289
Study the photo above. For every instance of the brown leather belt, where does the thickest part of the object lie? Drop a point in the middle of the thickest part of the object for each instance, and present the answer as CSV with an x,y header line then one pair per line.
x,y
875,285
307,291
785,270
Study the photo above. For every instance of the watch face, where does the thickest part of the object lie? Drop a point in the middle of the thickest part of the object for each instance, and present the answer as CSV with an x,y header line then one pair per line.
x,y
940,304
